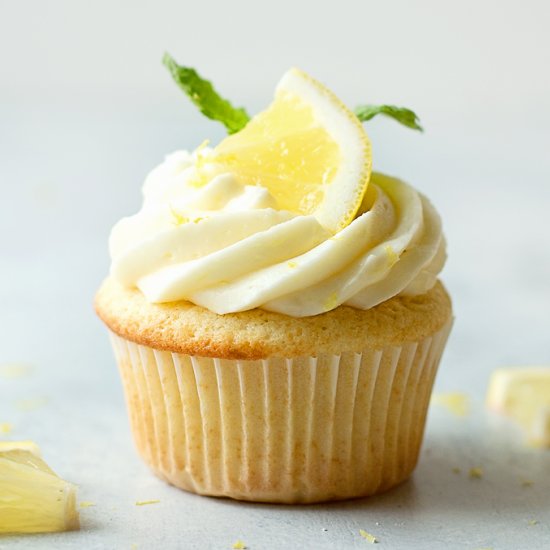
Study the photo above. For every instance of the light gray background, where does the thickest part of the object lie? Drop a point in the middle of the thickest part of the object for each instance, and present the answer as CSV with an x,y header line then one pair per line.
x,y
86,109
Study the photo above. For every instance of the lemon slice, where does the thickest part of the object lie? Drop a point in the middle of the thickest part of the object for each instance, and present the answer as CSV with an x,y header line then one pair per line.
x,y
307,148
32,498
524,395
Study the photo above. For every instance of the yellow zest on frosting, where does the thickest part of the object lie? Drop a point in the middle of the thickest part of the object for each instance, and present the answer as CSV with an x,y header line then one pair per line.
x,y
331,302
178,218
201,160
392,256
245,253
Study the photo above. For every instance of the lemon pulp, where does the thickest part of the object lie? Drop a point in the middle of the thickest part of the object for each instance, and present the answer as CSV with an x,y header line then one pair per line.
x,y
33,499
307,149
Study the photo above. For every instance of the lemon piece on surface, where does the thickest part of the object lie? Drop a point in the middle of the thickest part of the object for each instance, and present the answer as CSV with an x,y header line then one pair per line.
x,y
33,499
455,402
307,148
523,394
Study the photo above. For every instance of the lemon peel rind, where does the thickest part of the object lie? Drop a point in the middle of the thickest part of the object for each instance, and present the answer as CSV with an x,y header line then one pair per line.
x,y
30,446
348,132
523,395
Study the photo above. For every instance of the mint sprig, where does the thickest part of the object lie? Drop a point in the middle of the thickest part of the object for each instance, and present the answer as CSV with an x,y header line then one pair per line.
x,y
204,96
403,115
215,107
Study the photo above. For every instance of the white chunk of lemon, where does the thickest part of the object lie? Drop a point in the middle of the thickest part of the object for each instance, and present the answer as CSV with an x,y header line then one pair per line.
x,y
523,393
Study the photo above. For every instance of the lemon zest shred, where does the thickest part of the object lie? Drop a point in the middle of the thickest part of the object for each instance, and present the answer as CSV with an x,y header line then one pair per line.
x,y
455,402
331,302
178,219
476,473
201,148
292,264
5,428
390,253
239,545
86,504
146,502
527,482
201,161
368,537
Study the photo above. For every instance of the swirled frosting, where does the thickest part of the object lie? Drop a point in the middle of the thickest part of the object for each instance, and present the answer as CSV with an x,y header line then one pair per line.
x,y
225,245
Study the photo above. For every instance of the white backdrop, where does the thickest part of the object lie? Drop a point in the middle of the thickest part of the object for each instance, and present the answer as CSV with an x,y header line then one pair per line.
x,y
475,57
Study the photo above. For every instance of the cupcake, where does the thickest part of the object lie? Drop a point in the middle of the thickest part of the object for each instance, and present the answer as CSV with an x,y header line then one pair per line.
x,y
275,310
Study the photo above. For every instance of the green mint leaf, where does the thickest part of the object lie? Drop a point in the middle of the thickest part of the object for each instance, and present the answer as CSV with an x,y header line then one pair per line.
x,y
401,114
204,96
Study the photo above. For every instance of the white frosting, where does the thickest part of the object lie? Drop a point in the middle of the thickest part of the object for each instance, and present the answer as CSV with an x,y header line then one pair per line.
x,y
225,245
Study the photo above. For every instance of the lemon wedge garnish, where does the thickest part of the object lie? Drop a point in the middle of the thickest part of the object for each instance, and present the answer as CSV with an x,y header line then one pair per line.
x,y
307,148
524,395
33,499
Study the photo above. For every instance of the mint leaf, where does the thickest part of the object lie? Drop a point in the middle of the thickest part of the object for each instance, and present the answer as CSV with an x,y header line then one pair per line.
x,y
401,114
204,96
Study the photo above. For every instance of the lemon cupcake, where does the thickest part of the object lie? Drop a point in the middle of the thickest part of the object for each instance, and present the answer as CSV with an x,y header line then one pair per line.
x,y
275,309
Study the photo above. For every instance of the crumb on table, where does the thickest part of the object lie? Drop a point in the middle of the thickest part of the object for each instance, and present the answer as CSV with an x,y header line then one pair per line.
x,y
476,473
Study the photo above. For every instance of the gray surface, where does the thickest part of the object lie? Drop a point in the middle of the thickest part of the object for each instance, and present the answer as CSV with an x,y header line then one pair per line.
x,y
74,147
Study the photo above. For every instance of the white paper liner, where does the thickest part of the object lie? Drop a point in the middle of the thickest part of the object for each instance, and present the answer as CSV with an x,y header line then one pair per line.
x,y
303,429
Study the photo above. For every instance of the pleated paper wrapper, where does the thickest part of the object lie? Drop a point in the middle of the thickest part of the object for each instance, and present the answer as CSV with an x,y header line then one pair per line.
x,y
302,429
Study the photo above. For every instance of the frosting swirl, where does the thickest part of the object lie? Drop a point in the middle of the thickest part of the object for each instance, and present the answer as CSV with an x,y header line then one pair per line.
x,y
227,247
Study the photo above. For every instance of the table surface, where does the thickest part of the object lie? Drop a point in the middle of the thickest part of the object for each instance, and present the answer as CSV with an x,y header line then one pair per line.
x,y
69,175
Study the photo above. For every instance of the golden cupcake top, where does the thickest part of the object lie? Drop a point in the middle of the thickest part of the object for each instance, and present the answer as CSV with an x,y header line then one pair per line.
x,y
284,214
185,328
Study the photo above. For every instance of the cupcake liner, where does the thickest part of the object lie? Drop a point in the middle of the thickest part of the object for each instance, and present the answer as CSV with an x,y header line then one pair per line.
x,y
302,429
